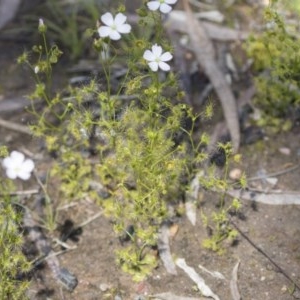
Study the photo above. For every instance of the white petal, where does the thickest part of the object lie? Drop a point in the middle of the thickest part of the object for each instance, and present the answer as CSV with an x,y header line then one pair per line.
x,y
148,55
170,1
23,175
104,31
7,162
165,8
115,35
120,19
11,173
164,66
153,5
166,56
153,66
107,19
17,157
28,165
157,50
125,28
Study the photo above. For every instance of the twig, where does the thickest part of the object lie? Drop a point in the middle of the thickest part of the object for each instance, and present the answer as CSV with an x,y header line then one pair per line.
x,y
94,217
264,254
15,127
22,193
278,173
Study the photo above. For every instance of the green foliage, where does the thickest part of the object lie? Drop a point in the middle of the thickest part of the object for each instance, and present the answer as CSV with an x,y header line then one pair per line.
x,y
218,223
12,260
144,150
276,55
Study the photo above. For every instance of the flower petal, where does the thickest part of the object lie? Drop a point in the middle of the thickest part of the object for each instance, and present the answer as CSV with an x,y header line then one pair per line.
x,y
104,31
165,8
164,66
23,175
107,19
166,56
7,162
170,1
115,35
153,5
17,157
153,66
120,19
11,173
156,50
28,165
148,55
125,28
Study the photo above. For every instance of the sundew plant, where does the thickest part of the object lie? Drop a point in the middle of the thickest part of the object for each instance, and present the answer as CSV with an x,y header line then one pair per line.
x,y
276,56
133,136
13,263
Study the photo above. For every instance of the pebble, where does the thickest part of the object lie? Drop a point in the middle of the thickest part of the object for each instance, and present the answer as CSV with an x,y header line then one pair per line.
x,y
235,174
285,151
104,287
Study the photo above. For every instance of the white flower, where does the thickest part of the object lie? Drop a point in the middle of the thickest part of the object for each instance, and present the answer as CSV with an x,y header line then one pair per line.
x,y
17,166
114,26
157,59
162,5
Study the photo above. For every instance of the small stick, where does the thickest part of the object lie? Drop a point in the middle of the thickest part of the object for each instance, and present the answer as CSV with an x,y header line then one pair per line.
x,y
22,193
15,127
278,173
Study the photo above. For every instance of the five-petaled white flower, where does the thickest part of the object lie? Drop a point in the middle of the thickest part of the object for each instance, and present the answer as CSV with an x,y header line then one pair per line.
x,y
163,5
156,58
17,166
115,26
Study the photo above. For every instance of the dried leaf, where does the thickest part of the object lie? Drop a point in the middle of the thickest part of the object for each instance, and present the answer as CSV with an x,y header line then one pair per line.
x,y
163,247
273,198
233,283
204,289
204,52
171,296
213,274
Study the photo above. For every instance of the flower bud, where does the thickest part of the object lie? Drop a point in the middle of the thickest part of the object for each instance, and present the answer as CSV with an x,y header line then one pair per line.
x,y
42,27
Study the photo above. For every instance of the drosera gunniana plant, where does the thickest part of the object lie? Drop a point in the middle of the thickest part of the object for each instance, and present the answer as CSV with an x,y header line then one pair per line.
x,y
13,263
276,56
142,151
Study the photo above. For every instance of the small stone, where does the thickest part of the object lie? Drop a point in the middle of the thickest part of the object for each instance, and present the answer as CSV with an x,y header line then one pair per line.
x,y
104,287
235,174
284,289
285,151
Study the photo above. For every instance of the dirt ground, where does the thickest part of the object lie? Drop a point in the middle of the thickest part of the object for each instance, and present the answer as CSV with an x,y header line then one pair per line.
x,y
273,229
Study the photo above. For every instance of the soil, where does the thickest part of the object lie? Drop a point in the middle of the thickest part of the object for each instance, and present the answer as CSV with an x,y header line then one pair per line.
x,y
273,229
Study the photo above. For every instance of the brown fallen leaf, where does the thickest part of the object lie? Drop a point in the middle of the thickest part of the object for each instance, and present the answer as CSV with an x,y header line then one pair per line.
x,y
204,52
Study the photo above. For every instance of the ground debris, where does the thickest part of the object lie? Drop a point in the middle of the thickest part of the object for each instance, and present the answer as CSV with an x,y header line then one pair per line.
x,y
203,288
275,197
164,249
233,283
171,296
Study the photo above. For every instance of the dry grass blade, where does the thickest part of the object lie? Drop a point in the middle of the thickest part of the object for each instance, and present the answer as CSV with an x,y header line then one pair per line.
x,y
15,127
204,52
